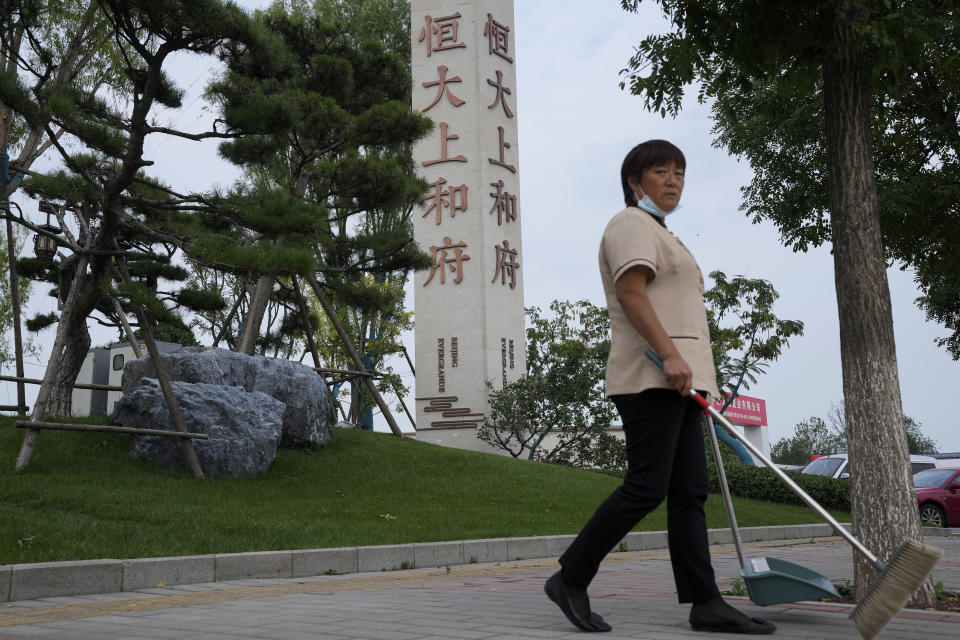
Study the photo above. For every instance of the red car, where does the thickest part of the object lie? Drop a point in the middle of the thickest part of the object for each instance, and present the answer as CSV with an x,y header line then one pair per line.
x,y
938,495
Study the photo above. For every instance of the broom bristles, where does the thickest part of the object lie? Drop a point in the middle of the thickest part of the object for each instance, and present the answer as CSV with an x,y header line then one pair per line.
x,y
908,568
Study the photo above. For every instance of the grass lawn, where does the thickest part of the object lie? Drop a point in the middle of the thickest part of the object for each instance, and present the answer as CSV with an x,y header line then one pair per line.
x,y
83,497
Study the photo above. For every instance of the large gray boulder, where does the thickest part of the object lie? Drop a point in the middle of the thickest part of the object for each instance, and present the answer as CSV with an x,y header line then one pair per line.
x,y
244,429
309,413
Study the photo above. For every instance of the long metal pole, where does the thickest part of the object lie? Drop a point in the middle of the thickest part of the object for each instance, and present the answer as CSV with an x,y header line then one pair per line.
x,y
725,490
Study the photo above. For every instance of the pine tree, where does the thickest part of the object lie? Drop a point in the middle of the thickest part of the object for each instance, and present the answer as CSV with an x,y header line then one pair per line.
x,y
130,224
330,180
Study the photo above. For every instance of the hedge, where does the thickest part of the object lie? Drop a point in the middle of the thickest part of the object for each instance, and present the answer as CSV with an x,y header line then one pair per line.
x,y
760,483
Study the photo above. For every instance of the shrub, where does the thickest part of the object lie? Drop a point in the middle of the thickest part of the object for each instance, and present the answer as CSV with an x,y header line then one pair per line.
x,y
760,483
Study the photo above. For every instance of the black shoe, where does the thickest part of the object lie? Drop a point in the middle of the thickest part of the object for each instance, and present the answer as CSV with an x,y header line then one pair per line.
x,y
556,591
717,615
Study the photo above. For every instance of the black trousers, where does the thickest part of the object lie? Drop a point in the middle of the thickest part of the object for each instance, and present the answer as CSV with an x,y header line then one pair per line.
x,y
665,458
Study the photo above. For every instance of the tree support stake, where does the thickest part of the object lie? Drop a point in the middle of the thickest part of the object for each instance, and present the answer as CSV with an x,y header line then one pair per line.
x,y
357,362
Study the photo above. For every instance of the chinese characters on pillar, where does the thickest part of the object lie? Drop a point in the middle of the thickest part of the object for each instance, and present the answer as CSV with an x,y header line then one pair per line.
x,y
441,36
507,265
440,258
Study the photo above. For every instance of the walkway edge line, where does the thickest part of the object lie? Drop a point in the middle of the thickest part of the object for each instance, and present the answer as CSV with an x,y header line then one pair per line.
x,y
85,577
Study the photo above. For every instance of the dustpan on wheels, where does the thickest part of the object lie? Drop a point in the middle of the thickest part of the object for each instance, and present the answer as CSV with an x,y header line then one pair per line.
x,y
769,580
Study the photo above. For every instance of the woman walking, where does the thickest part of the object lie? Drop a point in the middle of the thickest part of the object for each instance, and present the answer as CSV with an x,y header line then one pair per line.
x,y
654,292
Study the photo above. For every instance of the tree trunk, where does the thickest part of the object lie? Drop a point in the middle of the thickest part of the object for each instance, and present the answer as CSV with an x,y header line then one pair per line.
x,y
258,306
884,508
59,401
66,357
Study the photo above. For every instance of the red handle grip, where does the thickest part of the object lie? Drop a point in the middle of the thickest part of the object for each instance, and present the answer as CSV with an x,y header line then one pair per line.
x,y
700,400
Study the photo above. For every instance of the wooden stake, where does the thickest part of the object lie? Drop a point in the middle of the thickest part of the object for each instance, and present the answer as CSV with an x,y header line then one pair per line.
x,y
226,323
302,304
409,361
357,362
68,426
77,385
132,339
175,415
404,405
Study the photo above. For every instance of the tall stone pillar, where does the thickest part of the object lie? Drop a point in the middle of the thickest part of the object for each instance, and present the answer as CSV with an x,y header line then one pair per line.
x,y
469,304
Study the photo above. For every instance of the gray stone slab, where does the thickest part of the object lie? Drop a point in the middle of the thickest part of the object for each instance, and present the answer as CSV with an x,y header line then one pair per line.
x,y
653,540
752,534
50,579
146,573
633,541
5,573
774,533
389,557
556,545
316,562
260,564
795,532
437,554
720,536
484,550
526,548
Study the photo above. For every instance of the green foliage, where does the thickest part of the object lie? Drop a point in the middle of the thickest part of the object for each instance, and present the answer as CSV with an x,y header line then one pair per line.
x,y
41,321
6,301
760,483
756,337
331,132
918,442
200,299
760,64
558,411
737,588
177,333
813,436
329,177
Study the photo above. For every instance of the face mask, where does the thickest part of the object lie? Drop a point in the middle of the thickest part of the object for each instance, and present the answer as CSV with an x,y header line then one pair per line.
x,y
650,206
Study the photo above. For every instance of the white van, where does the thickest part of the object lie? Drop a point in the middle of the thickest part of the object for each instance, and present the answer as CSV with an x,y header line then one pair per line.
x,y
837,465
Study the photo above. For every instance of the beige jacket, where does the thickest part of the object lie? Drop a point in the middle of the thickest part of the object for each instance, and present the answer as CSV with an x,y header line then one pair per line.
x,y
634,237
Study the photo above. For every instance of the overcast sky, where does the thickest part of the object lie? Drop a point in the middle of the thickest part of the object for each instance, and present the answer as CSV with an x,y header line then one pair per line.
x,y
575,127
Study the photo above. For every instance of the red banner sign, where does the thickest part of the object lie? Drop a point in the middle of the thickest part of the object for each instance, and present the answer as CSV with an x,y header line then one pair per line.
x,y
745,411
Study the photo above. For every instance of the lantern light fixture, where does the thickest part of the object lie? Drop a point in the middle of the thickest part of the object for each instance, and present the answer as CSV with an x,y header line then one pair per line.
x,y
44,245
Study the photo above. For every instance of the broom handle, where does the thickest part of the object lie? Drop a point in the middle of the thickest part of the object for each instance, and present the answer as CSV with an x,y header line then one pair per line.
x,y
725,490
813,504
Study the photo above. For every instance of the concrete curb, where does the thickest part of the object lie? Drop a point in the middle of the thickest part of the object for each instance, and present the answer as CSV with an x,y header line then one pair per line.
x,y
84,577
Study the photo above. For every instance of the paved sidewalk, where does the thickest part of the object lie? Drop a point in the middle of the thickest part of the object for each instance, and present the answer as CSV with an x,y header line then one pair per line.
x,y
634,591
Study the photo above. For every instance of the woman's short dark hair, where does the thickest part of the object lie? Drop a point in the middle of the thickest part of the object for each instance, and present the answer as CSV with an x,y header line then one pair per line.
x,y
647,154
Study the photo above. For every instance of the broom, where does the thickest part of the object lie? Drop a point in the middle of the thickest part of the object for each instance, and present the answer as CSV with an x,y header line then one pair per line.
x,y
898,579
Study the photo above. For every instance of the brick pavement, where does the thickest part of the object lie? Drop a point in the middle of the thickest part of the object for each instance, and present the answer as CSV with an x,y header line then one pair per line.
x,y
634,591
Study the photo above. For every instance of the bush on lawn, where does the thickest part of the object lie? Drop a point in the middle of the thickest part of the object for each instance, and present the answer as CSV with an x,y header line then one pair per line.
x,y
760,483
